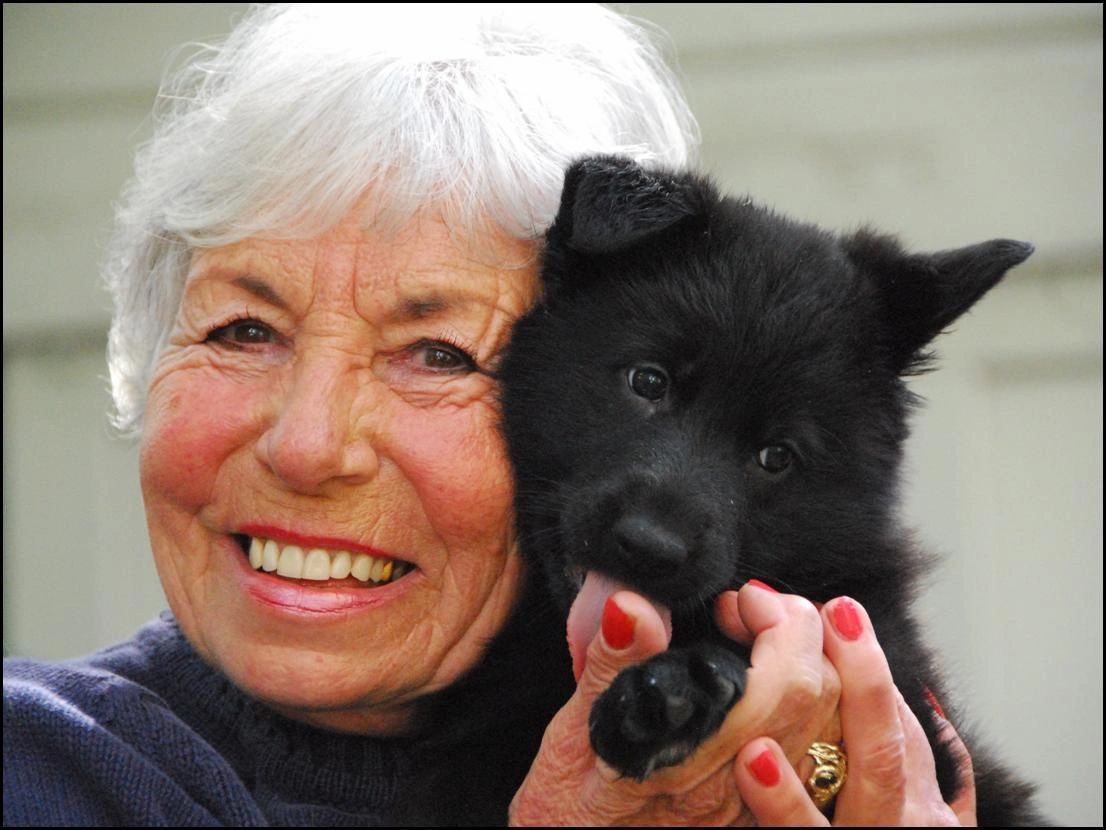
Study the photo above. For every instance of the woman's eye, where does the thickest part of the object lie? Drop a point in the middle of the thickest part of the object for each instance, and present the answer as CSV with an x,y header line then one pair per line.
x,y
443,357
775,458
243,333
649,382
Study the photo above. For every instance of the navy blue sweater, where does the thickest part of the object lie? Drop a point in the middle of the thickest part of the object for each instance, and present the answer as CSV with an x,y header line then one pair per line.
x,y
145,733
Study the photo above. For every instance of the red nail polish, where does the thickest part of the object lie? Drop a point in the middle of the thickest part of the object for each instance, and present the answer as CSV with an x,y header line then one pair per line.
x,y
933,704
764,769
618,626
846,619
758,584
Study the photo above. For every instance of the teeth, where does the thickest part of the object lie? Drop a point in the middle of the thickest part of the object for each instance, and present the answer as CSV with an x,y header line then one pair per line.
x,y
270,556
291,562
340,565
362,567
317,565
320,565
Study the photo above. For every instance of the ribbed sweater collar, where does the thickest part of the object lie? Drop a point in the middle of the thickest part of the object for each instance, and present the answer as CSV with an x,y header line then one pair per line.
x,y
299,763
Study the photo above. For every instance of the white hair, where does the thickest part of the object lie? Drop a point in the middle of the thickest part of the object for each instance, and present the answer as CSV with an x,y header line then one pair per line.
x,y
308,110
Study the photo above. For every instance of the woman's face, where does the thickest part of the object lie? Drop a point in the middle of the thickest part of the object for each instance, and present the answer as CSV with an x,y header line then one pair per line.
x,y
331,397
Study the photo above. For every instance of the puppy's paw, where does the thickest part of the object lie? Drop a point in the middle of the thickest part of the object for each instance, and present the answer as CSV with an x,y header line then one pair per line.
x,y
657,713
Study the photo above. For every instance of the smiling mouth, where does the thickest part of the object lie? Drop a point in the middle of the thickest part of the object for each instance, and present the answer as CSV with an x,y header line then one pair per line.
x,y
320,565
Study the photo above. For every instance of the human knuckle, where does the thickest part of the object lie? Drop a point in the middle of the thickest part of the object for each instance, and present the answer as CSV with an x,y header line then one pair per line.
x,y
871,687
831,682
930,813
883,765
943,817
803,690
803,610
705,800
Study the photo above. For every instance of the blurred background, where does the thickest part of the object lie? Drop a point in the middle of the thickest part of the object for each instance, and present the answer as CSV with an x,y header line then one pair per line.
x,y
946,123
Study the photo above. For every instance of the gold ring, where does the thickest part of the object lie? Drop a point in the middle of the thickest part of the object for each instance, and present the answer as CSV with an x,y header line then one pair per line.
x,y
831,768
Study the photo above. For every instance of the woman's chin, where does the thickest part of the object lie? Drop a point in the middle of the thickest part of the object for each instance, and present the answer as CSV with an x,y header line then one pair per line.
x,y
324,691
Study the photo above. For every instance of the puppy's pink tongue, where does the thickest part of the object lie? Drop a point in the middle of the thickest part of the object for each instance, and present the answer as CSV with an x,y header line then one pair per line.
x,y
587,611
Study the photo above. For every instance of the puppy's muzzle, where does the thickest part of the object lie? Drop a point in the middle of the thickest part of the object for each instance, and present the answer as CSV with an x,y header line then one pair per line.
x,y
646,545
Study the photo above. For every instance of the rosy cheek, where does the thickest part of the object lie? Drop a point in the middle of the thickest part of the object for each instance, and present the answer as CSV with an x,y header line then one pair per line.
x,y
193,423
457,463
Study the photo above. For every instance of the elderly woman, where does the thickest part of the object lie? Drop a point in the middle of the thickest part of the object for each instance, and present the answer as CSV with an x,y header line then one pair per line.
x,y
315,269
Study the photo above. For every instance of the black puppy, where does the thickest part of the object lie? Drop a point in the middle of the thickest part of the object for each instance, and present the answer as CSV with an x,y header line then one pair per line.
x,y
709,393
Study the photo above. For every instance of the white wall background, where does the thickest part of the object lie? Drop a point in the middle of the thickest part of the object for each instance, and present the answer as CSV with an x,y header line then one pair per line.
x,y
947,123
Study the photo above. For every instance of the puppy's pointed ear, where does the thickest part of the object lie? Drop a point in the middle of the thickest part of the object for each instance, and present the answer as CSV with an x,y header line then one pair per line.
x,y
610,203
922,294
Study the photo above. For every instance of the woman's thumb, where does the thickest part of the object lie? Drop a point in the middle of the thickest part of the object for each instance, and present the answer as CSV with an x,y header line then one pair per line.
x,y
631,630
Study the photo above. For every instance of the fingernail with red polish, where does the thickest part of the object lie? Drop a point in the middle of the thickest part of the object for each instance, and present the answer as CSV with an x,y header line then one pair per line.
x,y
846,619
618,626
933,704
764,769
757,583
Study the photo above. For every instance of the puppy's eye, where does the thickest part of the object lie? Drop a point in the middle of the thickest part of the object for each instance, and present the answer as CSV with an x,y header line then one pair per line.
x,y
649,382
775,458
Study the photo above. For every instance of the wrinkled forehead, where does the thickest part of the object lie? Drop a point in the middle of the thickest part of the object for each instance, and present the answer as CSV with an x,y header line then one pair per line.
x,y
424,265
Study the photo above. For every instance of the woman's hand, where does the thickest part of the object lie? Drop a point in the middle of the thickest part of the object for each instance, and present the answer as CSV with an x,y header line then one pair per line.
x,y
791,694
891,777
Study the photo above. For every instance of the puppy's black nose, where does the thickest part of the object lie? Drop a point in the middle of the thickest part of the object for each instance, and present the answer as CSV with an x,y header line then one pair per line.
x,y
647,544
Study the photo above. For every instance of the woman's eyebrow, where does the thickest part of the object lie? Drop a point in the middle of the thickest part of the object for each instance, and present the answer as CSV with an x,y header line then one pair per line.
x,y
261,289
421,307
418,308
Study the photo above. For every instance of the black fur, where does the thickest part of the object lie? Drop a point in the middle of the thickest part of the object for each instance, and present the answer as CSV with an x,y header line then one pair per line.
x,y
709,393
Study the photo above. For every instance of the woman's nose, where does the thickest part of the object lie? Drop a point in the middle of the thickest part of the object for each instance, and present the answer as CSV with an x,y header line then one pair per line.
x,y
319,433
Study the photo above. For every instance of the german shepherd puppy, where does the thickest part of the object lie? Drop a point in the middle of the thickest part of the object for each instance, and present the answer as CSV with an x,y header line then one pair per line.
x,y
707,393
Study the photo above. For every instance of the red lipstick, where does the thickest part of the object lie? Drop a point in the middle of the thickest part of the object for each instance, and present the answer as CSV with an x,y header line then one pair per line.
x,y
306,541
